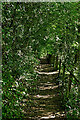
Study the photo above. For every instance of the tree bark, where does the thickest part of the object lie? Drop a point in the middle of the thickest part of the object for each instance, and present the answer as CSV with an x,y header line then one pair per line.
x,y
69,84
49,58
57,62
59,67
53,60
63,75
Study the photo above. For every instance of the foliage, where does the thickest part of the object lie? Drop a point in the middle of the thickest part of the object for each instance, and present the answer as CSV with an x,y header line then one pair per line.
x,y
28,31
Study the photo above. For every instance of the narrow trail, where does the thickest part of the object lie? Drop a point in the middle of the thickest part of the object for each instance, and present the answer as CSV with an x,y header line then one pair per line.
x,y
48,101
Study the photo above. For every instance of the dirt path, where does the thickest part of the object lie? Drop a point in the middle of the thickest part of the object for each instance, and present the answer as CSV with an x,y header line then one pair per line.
x,y
48,102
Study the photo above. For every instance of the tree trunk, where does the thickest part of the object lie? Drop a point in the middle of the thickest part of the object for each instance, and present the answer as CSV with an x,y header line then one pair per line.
x,y
69,84
53,60
59,67
48,58
57,62
76,57
63,75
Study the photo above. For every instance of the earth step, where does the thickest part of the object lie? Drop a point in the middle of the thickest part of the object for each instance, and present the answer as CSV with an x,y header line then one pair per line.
x,y
48,87
45,84
49,91
49,102
44,96
43,61
49,108
49,69
44,81
47,78
43,66
48,73
52,116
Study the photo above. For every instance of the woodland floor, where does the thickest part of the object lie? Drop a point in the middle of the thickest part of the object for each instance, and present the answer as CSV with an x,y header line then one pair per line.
x,y
48,99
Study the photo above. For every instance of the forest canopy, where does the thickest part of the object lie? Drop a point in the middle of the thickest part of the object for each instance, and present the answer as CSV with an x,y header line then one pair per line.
x,y
31,31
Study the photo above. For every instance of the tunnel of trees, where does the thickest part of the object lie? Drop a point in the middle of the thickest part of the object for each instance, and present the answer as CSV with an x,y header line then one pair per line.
x,y
38,33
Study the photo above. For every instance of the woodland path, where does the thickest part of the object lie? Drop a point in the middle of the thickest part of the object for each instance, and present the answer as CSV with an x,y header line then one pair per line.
x,y
48,101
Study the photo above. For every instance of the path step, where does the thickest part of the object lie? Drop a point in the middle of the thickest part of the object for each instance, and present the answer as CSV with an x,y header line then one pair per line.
x,y
43,66
48,73
47,101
